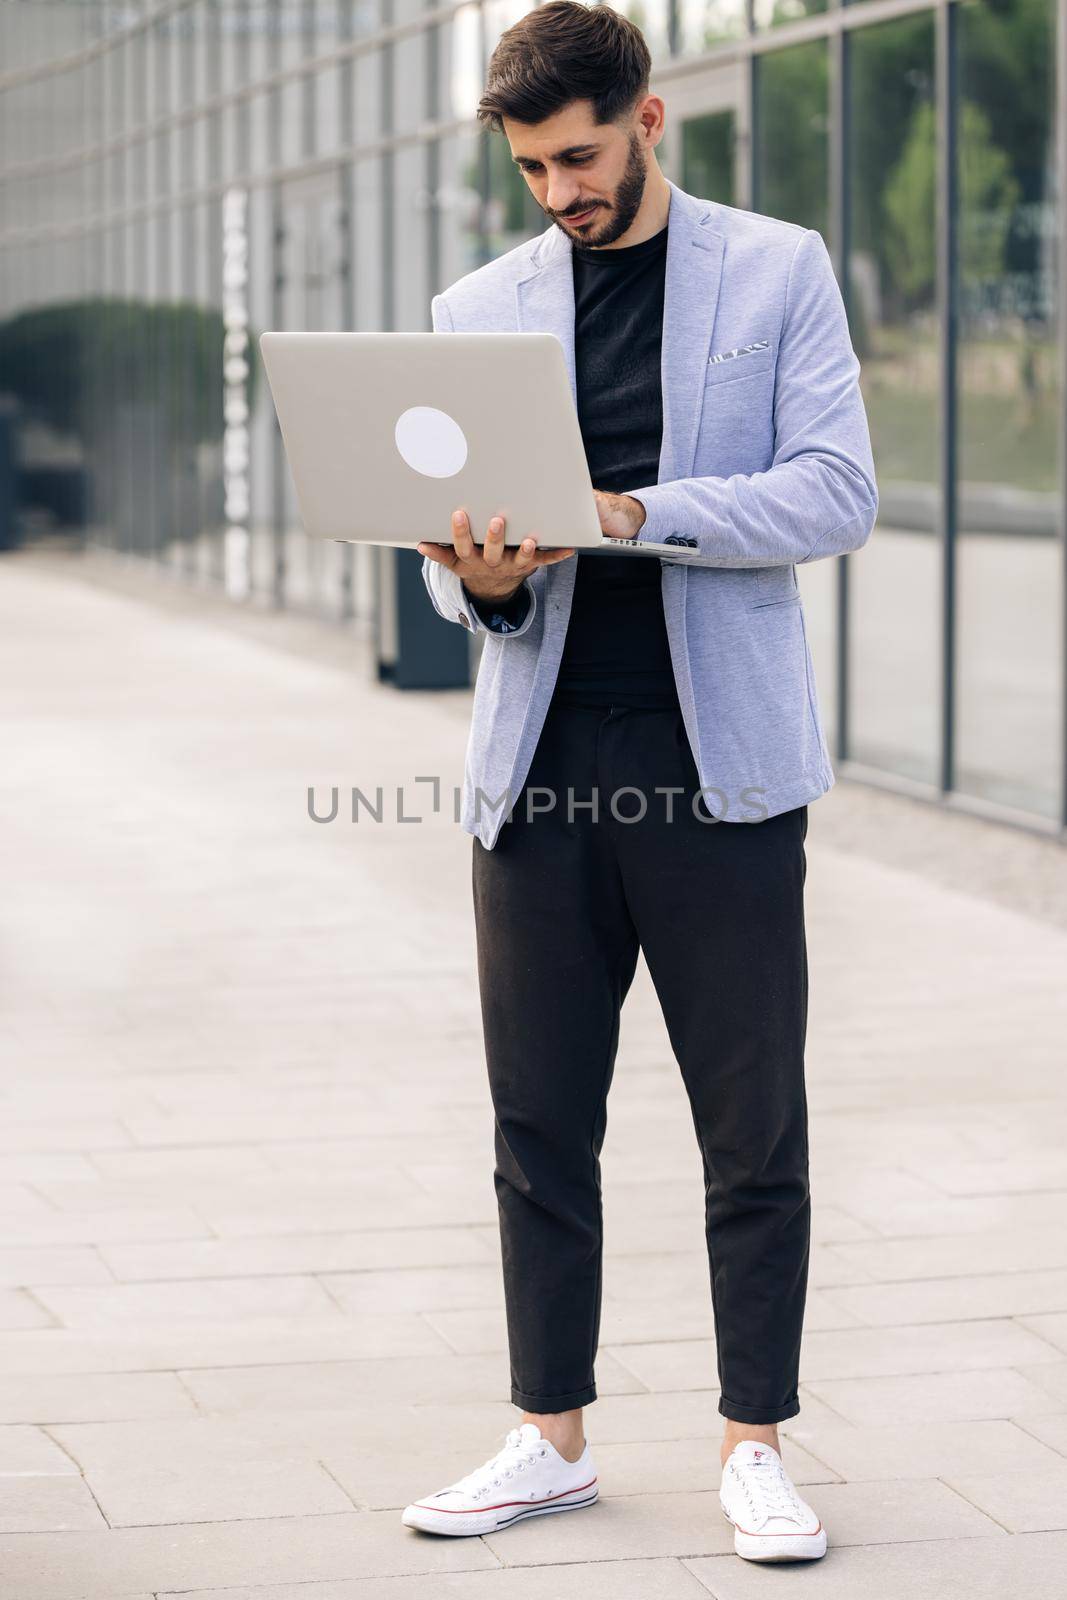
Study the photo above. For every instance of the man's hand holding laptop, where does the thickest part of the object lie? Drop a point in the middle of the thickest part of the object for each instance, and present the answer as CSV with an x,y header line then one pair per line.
x,y
493,572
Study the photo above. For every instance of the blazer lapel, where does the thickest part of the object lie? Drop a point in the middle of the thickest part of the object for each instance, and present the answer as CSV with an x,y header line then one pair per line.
x,y
544,303
690,297
544,299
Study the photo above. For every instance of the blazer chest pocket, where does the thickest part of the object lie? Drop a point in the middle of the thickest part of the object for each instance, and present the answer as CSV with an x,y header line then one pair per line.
x,y
742,361
775,586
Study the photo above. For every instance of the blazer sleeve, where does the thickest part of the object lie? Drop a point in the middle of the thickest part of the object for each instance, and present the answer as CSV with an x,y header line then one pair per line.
x,y
819,496
447,592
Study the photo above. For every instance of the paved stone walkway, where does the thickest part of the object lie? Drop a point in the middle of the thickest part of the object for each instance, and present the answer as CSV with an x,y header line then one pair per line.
x,y
249,1282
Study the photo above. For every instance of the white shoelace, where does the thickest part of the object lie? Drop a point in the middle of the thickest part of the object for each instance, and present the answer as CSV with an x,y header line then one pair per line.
x,y
769,1490
513,1458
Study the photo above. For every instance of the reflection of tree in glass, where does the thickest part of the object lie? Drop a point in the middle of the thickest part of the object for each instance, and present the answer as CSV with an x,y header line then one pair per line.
x,y
989,194
791,144
908,203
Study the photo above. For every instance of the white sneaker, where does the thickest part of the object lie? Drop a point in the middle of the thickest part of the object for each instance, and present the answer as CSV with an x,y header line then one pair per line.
x,y
771,1521
527,1478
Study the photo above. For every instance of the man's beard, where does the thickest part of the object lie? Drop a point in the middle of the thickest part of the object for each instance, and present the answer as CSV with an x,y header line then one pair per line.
x,y
626,205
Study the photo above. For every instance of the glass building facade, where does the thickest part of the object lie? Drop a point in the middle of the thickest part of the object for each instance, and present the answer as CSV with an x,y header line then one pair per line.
x,y
179,175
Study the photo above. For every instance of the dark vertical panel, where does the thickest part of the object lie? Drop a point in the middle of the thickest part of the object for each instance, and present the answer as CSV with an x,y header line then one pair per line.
x,y
388,55
839,233
345,180
277,235
947,303
1061,190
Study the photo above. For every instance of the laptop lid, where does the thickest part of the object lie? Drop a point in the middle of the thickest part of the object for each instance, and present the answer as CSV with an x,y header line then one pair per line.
x,y
387,433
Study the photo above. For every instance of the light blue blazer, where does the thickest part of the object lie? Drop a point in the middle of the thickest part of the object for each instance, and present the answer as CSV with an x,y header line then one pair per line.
x,y
766,460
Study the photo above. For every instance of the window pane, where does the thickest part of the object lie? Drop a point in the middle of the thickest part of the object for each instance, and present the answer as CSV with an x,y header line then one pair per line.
x,y
708,156
1010,409
792,179
792,125
894,622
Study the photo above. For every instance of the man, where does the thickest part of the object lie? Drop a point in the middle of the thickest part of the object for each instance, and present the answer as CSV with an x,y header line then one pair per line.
x,y
717,391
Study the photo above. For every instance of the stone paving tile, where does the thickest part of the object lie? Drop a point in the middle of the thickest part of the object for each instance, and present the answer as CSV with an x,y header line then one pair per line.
x,y
20,1309
304,1157
861,1352
16,1200
943,1569
47,1505
443,1288
60,1133
897,1511
1037,1249
249,1126
140,1305
260,1341
1052,1327
933,1397
581,1580
925,1449
962,1217
1005,1294
456,1378
92,1397
1022,1502
930,1347
227,1161
681,1364
617,1527
35,1166
1037,1170
122,1221
326,1209
346,1200
44,1264
265,1550
29,1452
1051,1377
303,1253
1049,1427
154,1473
678,1466
32,1099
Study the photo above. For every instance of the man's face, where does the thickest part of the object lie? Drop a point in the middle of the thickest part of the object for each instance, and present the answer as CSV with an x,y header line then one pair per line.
x,y
573,165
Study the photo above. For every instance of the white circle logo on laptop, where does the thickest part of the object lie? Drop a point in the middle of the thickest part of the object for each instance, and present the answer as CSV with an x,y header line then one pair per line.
x,y
430,441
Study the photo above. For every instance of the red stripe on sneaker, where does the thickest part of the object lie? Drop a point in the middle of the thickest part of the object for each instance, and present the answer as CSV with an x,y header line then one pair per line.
x,y
798,1535
457,1511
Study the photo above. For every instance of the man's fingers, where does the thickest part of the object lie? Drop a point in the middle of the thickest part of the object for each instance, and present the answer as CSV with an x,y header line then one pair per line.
x,y
524,555
461,536
493,548
463,550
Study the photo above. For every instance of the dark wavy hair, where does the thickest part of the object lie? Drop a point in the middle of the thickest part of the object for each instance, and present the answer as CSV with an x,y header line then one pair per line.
x,y
562,52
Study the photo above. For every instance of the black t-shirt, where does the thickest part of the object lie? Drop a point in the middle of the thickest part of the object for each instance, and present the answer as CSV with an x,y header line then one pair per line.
x,y
616,651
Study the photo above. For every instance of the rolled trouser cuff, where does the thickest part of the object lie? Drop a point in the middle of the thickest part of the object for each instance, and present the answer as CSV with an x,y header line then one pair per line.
x,y
764,1414
545,1403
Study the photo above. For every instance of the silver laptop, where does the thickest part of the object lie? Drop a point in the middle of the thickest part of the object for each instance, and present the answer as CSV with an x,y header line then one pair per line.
x,y
388,433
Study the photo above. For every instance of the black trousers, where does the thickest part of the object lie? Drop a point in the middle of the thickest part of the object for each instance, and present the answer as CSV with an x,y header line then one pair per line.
x,y
562,905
